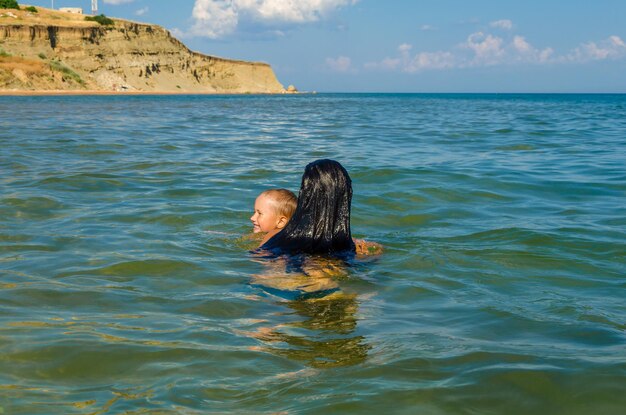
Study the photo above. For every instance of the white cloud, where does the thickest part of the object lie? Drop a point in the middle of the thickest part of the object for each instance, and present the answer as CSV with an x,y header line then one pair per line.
x,y
405,48
339,64
430,60
502,24
525,52
520,44
424,60
392,63
218,18
177,33
616,41
611,48
387,64
427,28
484,49
116,2
142,11
213,19
421,61
488,49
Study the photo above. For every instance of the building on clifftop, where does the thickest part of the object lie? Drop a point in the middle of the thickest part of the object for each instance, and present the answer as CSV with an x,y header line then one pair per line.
x,y
75,10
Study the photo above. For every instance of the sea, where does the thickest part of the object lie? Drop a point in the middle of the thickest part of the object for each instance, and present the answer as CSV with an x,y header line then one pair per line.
x,y
129,285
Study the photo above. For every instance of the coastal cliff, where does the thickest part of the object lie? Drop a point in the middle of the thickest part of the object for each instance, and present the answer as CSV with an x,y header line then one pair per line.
x,y
52,50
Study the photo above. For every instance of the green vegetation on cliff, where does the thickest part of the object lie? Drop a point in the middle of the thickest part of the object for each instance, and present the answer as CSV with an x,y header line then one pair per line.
x,y
9,4
102,19
68,73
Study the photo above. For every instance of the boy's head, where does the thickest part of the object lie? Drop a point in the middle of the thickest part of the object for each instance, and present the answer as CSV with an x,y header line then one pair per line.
x,y
272,210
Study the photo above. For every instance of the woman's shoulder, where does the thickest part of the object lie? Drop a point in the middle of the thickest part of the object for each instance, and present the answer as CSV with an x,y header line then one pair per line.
x,y
364,247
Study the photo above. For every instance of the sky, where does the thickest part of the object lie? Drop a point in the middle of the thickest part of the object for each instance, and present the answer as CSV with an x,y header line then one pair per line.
x,y
403,45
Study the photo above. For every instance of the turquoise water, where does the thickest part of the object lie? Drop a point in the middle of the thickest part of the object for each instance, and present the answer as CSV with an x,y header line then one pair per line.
x,y
125,286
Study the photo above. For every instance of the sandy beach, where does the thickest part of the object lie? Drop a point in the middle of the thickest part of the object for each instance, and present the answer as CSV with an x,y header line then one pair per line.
x,y
96,92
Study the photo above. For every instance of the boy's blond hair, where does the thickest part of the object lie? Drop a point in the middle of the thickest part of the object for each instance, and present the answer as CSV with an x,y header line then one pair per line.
x,y
285,201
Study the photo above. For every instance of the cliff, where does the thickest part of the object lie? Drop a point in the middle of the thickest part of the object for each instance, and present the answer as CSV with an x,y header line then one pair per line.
x,y
52,50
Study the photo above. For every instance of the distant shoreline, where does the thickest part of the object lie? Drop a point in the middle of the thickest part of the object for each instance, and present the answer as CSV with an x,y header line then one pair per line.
x,y
132,93
129,93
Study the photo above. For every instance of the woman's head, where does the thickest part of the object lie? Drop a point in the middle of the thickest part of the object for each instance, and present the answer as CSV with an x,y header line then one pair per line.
x,y
321,222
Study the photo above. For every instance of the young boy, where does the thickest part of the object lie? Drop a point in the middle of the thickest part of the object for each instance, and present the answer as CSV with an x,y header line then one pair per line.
x,y
272,210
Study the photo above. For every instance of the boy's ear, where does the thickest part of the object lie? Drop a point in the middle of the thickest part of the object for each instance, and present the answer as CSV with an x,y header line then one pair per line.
x,y
282,221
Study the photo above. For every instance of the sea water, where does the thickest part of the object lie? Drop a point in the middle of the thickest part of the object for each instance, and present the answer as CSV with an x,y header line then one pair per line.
x,y
125,286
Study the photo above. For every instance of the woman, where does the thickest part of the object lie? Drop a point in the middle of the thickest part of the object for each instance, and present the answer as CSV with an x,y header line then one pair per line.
x,y
320,225
321,222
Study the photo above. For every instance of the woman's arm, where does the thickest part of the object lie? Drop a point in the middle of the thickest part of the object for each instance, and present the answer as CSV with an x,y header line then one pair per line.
x,y
364,247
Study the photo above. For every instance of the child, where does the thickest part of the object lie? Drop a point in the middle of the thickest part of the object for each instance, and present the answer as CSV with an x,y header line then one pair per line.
x,y
272,210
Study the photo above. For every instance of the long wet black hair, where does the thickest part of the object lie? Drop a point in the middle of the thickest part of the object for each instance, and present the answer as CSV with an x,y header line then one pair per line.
x,y
321,222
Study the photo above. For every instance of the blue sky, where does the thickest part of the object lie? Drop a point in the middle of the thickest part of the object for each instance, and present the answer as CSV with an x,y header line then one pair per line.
x,y
404,45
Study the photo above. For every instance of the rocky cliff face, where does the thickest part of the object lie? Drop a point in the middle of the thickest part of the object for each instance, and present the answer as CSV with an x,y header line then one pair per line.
x,y
127,56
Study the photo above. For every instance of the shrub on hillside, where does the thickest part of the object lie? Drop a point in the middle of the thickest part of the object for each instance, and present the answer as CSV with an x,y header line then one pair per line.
x,y
102,19
67,72
9,4
31,9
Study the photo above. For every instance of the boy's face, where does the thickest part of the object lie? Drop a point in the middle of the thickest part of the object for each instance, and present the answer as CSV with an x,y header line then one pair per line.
x,y
265,218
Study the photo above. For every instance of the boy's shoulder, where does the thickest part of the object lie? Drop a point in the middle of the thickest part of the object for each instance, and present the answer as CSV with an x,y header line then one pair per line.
x,y
253,237
251,241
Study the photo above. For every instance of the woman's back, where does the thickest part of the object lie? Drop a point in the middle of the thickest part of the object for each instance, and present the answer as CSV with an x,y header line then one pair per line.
x,y
321,222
